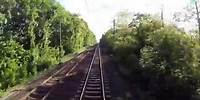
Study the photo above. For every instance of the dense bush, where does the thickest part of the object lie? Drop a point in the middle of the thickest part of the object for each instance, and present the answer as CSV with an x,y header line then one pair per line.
x,y
14,63
170,60
162,60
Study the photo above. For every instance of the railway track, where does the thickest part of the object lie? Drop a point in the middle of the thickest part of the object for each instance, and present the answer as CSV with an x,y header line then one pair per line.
x,y
84,80
95,86
42,91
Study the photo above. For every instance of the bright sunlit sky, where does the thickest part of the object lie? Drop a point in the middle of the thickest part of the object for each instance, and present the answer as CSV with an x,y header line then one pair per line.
x,y
100,13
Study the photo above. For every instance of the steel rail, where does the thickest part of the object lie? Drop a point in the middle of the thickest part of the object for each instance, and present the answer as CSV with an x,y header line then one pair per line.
x,y
101,75
102,78
87,77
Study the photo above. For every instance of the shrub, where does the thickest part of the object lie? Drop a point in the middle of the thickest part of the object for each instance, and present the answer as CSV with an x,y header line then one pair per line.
x,y
163,60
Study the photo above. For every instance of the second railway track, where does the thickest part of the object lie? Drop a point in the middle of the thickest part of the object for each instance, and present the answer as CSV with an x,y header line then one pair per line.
x,y
43,91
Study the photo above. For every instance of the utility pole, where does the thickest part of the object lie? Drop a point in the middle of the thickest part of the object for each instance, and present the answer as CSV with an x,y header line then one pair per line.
x,y
197,9
161,15
60,35
61,40
114,26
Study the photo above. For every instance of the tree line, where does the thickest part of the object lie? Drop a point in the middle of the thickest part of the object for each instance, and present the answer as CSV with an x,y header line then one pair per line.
x,y
34,35
162,60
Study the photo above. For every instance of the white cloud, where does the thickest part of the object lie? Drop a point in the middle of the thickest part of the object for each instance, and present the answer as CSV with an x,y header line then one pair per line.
x,y
100,13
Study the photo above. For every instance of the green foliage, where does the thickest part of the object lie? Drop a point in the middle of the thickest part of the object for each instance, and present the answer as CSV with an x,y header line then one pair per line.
x,y
163,60
34,35
14,61
170,58
44,62
2,19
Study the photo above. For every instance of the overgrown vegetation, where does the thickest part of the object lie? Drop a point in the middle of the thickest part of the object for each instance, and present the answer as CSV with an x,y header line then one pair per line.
x,y
35,34
163,61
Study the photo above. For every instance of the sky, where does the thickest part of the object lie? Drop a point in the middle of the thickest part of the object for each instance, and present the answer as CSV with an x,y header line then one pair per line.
x,y
100,13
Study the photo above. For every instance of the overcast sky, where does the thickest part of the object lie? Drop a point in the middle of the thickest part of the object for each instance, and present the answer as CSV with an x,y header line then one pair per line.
x,y
100,13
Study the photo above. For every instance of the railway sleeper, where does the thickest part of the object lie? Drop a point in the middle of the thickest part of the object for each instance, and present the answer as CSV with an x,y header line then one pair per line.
x,y
78,91
107,92
77,96
95,74
93,93
89,97
94,85
49,84
94,82
106,81
108,96
106,85
37,95
81,84
31,98
94,79
93,88
57,77
107,88
82,81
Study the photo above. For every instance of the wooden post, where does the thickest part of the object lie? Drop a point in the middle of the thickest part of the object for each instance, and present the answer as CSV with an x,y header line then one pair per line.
x,y
114,26
60,35
161,15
